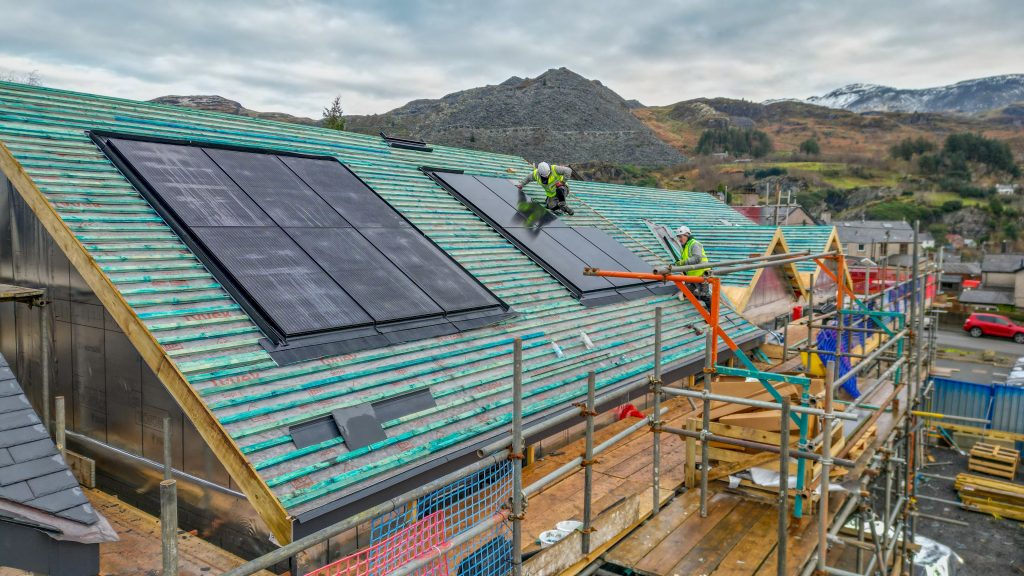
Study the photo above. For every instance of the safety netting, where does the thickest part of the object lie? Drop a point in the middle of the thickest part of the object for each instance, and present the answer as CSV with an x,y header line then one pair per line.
x,y
463,504
402,546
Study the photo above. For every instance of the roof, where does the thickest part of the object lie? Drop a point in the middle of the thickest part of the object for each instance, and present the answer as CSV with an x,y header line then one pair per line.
x,y
964,268
203,346
32,471
765,215
813,239
879,231
951,278
1002,262
987,296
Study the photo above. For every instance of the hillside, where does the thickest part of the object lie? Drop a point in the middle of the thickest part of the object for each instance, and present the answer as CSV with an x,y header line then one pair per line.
x,y
839,132
968,97
221,104
559,116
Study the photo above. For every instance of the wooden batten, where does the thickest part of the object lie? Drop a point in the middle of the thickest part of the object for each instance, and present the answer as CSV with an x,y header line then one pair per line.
x,y
219,441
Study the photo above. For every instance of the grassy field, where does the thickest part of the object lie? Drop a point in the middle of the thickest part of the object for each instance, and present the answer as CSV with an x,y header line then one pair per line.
x,y
831,174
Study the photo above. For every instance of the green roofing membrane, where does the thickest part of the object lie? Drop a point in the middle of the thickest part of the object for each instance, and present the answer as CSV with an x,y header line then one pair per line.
x,y
215,344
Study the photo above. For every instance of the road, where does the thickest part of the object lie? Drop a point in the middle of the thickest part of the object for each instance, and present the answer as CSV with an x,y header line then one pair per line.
x,y
971,367
962,341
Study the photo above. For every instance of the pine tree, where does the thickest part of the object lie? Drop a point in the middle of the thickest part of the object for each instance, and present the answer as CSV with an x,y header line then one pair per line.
x,y
333,118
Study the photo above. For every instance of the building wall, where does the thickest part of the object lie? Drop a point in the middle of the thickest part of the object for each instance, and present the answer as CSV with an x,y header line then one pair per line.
x,y
115,404
999,280
770,297
1018,289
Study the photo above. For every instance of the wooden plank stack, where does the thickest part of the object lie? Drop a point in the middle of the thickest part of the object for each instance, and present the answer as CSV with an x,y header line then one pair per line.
x,y
993,459
996,497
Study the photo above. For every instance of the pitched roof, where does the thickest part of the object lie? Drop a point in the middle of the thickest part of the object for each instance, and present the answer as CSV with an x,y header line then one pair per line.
x,y
987,296
967,268
205,348
32,471
868,231
1002,262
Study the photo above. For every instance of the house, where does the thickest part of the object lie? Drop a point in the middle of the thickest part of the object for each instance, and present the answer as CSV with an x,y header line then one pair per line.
x,y
1006,189
155,316
955,274
875,239
1002,281
47,525
955,241
787,215
927,240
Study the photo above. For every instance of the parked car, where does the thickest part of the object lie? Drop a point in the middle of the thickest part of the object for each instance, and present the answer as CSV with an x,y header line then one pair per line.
x,y
985,324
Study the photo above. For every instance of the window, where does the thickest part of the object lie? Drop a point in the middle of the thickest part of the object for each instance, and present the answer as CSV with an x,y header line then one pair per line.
x,y
860,247
319,261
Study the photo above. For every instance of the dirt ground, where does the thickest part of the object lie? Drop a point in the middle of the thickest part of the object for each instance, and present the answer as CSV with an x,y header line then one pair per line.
x,y
989,546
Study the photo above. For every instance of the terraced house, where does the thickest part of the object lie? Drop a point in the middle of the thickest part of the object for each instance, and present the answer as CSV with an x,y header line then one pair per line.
x,y
326,317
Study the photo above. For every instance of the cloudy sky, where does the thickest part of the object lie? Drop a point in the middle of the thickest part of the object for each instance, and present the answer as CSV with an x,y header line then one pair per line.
x,y
295,56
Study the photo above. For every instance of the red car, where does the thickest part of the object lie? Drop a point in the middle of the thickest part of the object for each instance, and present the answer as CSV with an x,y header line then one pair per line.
x,y
981,323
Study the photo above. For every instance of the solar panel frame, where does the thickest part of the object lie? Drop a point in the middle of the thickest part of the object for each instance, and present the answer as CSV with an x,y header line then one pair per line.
x,y
285,348
557,247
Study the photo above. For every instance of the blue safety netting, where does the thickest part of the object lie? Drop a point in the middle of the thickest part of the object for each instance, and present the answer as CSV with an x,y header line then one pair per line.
x,y
465,503
826,342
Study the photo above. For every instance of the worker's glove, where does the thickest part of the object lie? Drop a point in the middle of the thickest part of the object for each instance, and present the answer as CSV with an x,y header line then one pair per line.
x,y
519,187
560,185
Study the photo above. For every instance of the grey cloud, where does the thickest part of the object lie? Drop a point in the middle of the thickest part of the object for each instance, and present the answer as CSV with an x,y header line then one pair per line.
x,y
293,57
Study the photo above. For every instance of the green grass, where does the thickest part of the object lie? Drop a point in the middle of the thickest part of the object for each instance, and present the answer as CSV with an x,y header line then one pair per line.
x,y
833,174
939,198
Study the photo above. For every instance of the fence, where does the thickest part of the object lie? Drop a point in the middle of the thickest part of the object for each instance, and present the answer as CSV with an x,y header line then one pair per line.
x,y
1002,405
433,520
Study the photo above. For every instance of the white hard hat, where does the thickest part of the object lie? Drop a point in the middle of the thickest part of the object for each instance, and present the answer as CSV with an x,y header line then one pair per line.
x,y
543,169
683,230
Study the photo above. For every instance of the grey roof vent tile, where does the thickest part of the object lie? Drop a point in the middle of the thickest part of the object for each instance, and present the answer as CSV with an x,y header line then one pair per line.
x,y
359,426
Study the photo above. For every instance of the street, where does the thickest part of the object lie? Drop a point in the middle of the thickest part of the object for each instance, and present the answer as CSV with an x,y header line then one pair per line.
x,y
962,341
962,354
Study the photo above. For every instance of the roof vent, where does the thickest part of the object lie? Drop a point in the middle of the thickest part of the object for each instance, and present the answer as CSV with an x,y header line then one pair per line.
x,y
406,143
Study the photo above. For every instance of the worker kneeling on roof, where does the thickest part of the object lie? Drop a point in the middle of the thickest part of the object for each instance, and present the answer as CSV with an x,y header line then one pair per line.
x,y
553,180
693,253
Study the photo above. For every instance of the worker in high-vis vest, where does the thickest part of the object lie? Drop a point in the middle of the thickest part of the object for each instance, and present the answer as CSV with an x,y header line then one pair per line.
x,y
553,179
692,252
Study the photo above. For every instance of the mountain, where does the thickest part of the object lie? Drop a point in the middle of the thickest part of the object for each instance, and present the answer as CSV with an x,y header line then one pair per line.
x,y
838,131
967,97
221,104
558,116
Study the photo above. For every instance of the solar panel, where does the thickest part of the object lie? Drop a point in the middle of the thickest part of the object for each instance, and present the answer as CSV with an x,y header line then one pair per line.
x,y
429,268
317,258
193,187
366,274
561,249
276,189
346,193
282,279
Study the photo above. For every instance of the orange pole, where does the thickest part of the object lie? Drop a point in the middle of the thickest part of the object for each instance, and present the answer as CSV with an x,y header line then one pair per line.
x,y
646,276
716,294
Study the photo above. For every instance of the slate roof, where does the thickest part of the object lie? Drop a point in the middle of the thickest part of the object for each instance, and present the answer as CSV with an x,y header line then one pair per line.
x,y
964,268
32,471
991,296
878,231
1002,262
210,339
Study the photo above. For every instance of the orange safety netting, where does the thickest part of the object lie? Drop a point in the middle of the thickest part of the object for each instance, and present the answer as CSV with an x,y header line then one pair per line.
x,y
404,546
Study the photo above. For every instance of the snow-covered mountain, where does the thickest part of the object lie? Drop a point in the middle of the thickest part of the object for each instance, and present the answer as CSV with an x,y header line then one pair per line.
x,y
968,97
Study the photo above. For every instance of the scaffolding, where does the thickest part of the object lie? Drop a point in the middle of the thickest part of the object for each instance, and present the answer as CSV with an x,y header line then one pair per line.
x,y
881,509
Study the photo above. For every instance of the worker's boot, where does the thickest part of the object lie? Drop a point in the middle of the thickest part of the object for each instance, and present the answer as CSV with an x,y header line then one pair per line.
x,y
565,208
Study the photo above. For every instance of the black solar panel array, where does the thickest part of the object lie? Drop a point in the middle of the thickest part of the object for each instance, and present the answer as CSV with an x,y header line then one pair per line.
x,y
322,262
561,249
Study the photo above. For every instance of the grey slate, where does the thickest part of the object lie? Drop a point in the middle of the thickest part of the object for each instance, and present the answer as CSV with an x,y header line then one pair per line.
x,y
32,471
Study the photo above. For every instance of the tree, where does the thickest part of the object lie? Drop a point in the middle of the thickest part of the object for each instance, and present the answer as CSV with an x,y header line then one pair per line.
x,y
734,141
333,118
31,78
810,147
